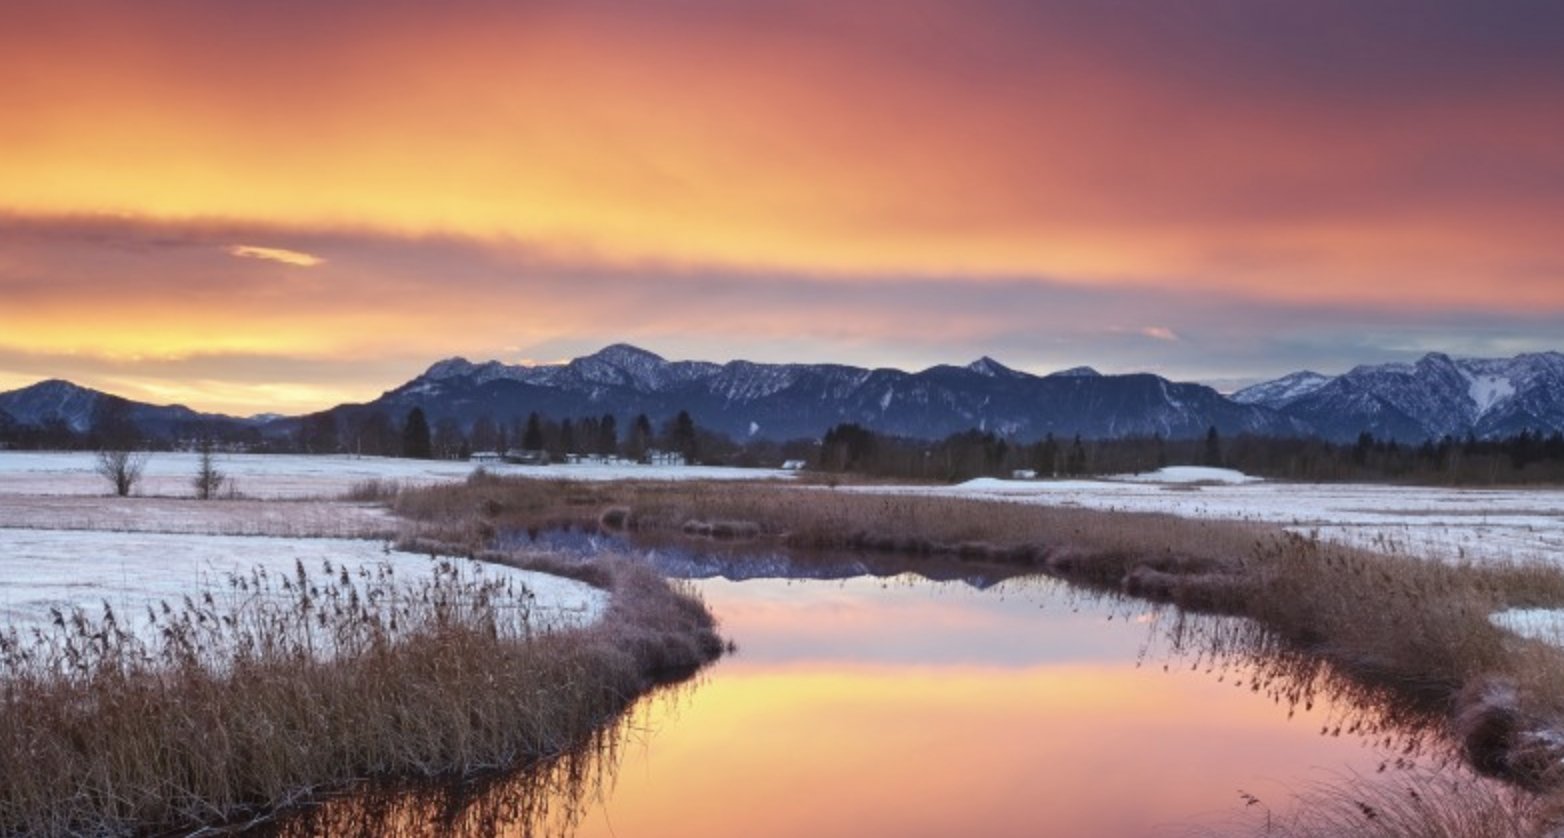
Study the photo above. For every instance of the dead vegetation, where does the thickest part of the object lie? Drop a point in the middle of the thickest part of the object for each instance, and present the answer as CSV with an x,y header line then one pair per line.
x,y
1419,627
300,685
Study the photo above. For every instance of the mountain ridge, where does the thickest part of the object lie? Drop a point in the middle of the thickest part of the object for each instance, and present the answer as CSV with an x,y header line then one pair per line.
x,y
1435,396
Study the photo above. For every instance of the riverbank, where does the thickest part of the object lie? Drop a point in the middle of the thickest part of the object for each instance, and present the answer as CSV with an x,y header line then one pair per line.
x,y
1419,627
315,682
169,663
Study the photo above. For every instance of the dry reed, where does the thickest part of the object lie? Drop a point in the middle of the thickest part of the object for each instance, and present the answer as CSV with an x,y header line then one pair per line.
x,y
1416,626
235,707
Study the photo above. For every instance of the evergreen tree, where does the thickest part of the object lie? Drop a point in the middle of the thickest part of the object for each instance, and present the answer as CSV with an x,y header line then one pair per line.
x,y
607,435
640,438
1075,463
532,437
682,436
1213,452
1045,459
567,437
415,436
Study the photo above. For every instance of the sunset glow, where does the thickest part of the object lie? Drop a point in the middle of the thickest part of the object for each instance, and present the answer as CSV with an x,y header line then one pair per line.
x,y
1135,187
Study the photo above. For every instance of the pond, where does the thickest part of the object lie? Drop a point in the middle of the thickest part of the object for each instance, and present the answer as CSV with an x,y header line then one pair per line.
x,y
869,699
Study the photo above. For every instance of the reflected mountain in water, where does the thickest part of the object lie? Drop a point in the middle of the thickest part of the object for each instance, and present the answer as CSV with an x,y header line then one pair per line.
x,y
684,558
894,702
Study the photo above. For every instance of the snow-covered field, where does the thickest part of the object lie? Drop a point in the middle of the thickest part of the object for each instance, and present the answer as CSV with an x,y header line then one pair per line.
x,y
65,569
64,543
169,474
278,518
1435,523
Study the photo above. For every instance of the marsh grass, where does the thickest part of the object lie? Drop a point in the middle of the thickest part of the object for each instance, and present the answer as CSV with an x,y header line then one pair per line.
x,y
1415,802
229,708
1415,626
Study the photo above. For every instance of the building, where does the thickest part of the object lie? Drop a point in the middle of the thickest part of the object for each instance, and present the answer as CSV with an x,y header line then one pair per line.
x,y
657,457
486,457
525,457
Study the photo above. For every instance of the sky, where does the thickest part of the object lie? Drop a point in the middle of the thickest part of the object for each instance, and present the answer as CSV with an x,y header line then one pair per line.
x,y
276,207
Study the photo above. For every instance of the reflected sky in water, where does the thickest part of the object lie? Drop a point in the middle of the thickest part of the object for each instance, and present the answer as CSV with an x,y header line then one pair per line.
x,y
901,706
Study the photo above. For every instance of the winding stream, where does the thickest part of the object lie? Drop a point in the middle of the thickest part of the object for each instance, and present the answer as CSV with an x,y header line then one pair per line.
x,y
866,699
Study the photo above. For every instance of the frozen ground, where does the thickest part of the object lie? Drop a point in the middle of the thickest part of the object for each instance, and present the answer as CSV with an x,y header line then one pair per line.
x,y
295,518
296,476
64,569
1545,624
65,543
1435,523
1189,474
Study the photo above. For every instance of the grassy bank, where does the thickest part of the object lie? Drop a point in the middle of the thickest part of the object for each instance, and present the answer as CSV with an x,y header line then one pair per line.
x,y
1418,627
233,710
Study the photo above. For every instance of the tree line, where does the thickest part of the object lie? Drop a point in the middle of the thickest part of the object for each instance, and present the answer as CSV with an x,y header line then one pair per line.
x,y
1526,457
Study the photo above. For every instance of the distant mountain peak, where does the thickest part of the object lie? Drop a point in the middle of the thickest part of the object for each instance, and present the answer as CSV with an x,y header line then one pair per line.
x,y
624,353
1282,391
449,368
1435,396
990,368
1076,372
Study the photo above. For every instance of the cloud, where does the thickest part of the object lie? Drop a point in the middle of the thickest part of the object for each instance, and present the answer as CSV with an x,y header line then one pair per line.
x,y
1407,150
275,254
108,302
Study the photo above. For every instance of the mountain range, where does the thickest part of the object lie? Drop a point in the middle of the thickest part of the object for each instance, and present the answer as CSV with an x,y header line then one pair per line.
x,y
1433,397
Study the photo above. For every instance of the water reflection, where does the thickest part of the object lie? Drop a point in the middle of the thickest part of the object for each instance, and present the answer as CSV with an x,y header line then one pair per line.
x,y
892,704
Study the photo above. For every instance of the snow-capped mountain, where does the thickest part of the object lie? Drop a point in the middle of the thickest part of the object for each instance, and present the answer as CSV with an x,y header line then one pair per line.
x,y
1435,397
51,400
783,401
1283,391
55,401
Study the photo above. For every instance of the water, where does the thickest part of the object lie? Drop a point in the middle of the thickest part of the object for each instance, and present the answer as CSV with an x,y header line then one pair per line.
x,y
867,700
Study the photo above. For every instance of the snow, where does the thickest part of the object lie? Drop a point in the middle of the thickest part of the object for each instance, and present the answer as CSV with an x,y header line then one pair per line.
x,y
65,569
1433,523
1544,624
1283,391
313,518
65,544
277,476
1191,474
1489,390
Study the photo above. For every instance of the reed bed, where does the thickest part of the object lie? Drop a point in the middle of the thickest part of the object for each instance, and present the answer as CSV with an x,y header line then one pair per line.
x,y
230,708
1415,626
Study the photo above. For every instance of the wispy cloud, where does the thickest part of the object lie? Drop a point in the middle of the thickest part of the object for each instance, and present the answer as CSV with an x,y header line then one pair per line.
x,y
1160,333
296,258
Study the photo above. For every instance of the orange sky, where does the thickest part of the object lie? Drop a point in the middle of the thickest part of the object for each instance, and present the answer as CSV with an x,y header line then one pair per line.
x,y
193,181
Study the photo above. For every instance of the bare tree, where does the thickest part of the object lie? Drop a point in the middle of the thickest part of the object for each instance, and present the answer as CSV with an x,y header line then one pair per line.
x,y
121,468
208,480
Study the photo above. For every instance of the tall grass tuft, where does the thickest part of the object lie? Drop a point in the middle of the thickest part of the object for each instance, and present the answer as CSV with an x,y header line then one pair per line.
x,y
228,708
